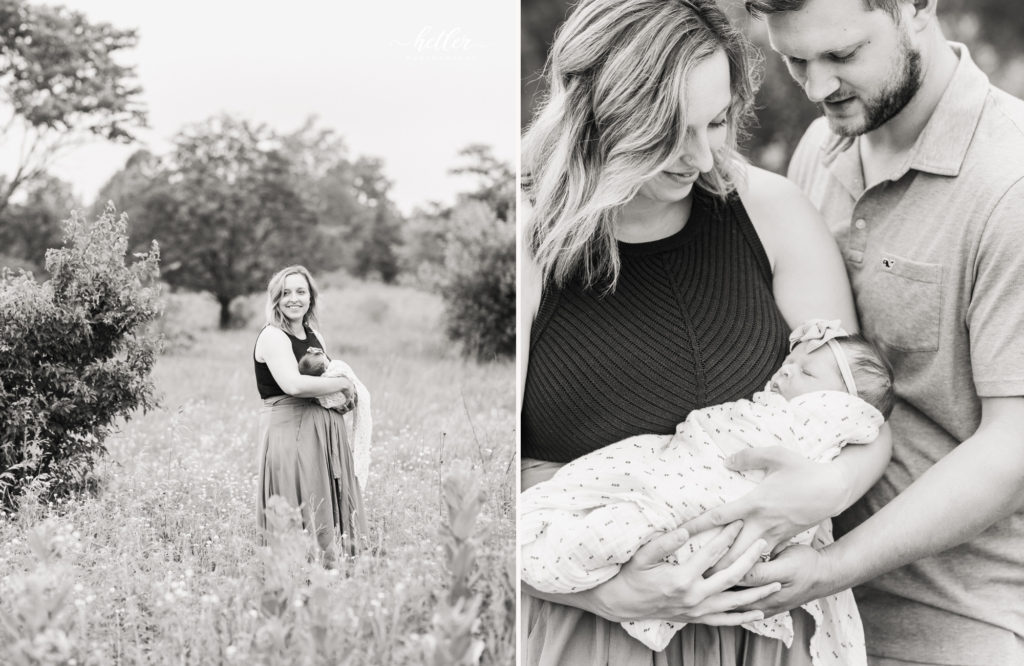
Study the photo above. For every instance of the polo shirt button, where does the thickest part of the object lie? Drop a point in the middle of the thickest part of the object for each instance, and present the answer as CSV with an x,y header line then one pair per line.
x,y
860,224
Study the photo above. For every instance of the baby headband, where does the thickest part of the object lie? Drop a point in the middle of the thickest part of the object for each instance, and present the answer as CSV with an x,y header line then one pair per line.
x,y
818,332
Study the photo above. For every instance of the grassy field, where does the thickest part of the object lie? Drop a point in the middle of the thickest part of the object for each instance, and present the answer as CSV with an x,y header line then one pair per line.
x,y
163,565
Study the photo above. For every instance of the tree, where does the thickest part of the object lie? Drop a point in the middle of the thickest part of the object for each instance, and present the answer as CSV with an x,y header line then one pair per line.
x,y
322,174
61,81
124,188
467,253
479,284
424,239
141,189
359,226
235,202
224,210
497,180
30,227
377,227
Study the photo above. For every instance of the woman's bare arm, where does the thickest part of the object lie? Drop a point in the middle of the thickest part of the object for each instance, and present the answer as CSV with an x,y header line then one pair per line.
x,y
274,347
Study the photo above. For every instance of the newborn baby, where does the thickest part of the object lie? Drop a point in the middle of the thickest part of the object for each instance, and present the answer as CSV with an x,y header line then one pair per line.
x,y
315,362
580,526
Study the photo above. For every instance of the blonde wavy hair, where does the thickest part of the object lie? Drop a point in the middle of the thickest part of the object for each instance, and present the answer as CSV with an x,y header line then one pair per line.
x,y
612,119
276,287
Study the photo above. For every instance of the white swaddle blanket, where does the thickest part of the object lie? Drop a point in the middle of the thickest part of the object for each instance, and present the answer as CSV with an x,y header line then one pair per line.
x,y
362,421
580,526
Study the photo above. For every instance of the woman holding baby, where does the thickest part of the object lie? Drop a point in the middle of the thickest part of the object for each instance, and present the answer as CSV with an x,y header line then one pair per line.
x,y
661,274
305,455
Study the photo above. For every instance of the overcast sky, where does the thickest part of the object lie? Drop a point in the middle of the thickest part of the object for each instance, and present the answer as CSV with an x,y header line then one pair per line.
x,y
410,82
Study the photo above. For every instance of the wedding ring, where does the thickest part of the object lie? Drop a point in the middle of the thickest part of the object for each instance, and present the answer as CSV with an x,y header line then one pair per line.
x,y
766,556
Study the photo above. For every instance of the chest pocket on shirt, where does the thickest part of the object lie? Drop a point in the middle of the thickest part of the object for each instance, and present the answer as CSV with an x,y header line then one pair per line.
x,y
901,299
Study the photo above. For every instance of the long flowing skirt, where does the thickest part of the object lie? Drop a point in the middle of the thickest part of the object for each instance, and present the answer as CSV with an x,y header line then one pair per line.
x,y
305,458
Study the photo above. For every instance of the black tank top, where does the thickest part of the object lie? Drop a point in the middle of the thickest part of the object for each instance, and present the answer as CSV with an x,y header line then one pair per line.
x,y
265,382
692,323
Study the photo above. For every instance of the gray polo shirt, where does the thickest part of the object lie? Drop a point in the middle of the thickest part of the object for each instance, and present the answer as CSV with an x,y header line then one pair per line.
x,y
935,256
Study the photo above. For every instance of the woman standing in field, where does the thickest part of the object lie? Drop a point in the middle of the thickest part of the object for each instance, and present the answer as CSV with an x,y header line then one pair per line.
x,y
662,275
305,455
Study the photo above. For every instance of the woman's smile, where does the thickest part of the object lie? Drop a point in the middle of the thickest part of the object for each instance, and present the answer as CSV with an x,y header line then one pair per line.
x,y
682,177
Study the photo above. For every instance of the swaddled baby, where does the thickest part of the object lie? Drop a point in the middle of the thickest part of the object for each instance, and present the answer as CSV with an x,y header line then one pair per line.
x,y
577,528
315,363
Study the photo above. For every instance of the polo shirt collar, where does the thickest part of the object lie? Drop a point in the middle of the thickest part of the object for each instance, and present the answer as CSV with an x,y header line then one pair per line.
x,y
942,145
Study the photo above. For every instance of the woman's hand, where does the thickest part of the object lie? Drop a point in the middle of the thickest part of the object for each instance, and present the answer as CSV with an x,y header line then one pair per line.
x,y
649,587
796,494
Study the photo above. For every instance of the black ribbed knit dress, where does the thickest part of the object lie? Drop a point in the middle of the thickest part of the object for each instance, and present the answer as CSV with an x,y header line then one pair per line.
x,y
692,323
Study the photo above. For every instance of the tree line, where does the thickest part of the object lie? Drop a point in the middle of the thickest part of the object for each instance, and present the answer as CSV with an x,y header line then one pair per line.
x,y
234,200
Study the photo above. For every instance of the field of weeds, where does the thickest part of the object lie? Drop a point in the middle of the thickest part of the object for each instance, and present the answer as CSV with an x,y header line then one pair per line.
x,y
162,566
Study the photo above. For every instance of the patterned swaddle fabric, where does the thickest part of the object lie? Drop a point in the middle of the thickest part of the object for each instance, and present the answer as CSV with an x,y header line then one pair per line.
x,y
579,527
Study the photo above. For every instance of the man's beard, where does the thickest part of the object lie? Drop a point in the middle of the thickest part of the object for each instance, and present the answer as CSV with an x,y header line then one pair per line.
x,y
892,99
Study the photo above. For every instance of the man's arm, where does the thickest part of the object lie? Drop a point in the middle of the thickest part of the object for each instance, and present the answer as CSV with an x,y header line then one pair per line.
x,y
974,486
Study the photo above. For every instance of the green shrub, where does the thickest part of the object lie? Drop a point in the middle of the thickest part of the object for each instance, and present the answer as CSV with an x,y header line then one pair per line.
x,y
479,286
72,356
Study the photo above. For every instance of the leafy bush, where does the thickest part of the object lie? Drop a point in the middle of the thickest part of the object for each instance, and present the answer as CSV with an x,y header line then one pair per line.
x,y
70,359
479,287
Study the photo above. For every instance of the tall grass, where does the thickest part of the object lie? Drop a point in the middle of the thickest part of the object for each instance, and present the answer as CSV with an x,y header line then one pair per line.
x,y
163,566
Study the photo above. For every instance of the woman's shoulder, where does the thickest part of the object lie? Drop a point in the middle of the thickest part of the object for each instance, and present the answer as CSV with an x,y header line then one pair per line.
x,y
770,196
780,212
269,335
271,332
273,335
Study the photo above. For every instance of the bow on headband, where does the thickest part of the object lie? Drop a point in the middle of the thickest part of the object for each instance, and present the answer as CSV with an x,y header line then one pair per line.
x,y
819,332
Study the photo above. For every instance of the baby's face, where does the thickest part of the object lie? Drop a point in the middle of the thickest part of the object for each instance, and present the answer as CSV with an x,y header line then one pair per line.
x,y
804,372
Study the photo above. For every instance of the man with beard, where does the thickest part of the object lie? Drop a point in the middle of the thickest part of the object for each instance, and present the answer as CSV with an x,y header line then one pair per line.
x,y
918,169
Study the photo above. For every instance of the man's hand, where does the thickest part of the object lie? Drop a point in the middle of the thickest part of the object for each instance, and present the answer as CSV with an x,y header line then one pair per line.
x,y
795,495
805,575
